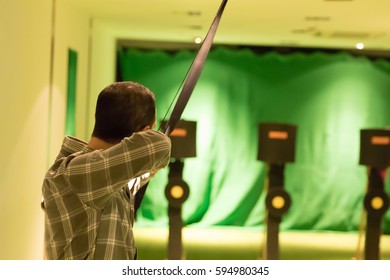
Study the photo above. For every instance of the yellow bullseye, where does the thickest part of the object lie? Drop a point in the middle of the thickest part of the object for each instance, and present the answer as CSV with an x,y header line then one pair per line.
x,y
177,191
377,203
278,202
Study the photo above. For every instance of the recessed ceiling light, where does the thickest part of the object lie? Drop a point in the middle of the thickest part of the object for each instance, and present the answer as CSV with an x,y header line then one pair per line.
x,y
196,27
360,46
194,13
317,18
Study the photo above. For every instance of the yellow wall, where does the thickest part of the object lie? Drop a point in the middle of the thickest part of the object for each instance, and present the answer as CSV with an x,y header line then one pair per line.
x,y
32,116
103,58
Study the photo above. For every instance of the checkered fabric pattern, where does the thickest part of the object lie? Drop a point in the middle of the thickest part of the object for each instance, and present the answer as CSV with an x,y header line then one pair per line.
x,y
89,210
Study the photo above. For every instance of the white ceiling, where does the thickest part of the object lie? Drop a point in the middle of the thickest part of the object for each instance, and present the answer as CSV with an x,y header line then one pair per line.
x,y
334,24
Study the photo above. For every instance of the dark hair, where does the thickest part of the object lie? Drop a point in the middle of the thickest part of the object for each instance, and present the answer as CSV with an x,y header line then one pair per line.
x,y
123,108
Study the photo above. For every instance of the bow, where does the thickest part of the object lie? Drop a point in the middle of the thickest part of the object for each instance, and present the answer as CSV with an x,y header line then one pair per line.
x,y
194,72
187,87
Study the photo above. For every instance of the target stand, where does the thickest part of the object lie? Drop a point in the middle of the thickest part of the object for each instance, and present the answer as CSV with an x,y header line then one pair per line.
x,y
375,154
177,191
276,147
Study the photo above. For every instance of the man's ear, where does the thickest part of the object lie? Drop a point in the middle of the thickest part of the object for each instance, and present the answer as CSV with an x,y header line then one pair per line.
x,y
145,128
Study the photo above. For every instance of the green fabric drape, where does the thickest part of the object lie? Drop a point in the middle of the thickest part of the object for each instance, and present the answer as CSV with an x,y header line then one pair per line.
x,y
330,97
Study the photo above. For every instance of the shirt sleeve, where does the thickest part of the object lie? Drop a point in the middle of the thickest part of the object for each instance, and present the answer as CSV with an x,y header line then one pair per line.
x,y
97,175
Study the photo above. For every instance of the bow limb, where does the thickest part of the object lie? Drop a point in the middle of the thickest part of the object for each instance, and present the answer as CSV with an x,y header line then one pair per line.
x,y
188,86
194,72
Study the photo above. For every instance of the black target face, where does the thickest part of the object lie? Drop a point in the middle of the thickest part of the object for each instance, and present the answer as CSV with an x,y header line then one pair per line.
x,y
177,192
278,201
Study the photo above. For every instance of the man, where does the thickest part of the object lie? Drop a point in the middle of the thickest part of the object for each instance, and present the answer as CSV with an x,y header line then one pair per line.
x,y
89,208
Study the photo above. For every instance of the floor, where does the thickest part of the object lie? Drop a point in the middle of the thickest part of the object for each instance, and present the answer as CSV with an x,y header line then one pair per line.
x,y
235,243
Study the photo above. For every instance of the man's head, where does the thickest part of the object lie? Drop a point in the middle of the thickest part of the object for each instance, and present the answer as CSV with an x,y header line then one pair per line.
x,y
123,108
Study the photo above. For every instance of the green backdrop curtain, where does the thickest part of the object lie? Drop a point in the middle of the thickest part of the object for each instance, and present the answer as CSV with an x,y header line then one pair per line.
x,y
330,97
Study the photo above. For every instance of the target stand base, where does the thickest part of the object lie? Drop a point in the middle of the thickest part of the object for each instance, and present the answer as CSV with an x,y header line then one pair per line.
x,y
277,202
177,192
376,203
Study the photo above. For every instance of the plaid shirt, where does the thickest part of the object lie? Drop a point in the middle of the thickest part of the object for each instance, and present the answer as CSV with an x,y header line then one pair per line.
x,y
89,212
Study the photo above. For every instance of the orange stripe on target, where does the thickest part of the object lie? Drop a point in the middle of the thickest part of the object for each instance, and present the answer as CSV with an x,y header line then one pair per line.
x,y
380,140
278,134
179,132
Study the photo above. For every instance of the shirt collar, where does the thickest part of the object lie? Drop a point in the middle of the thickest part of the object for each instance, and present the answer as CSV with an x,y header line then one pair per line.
x,y
72,145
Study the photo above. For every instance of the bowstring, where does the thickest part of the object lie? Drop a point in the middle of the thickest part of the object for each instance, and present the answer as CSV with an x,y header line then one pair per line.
x,y
224,2
175,97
